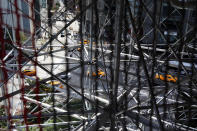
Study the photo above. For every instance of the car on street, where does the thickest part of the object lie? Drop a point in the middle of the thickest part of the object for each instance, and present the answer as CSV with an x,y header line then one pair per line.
x,y
100,73
55,83
29,72
66,76
166,77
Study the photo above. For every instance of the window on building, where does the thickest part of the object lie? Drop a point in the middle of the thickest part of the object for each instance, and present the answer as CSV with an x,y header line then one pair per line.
x,y
44,3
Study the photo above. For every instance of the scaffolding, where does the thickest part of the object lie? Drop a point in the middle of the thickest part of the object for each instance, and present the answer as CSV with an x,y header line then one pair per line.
x,y
98,65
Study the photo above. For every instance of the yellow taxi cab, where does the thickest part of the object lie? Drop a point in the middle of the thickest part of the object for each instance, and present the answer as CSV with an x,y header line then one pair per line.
x,y
55,83
168,77
100,73
85,42
29,72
